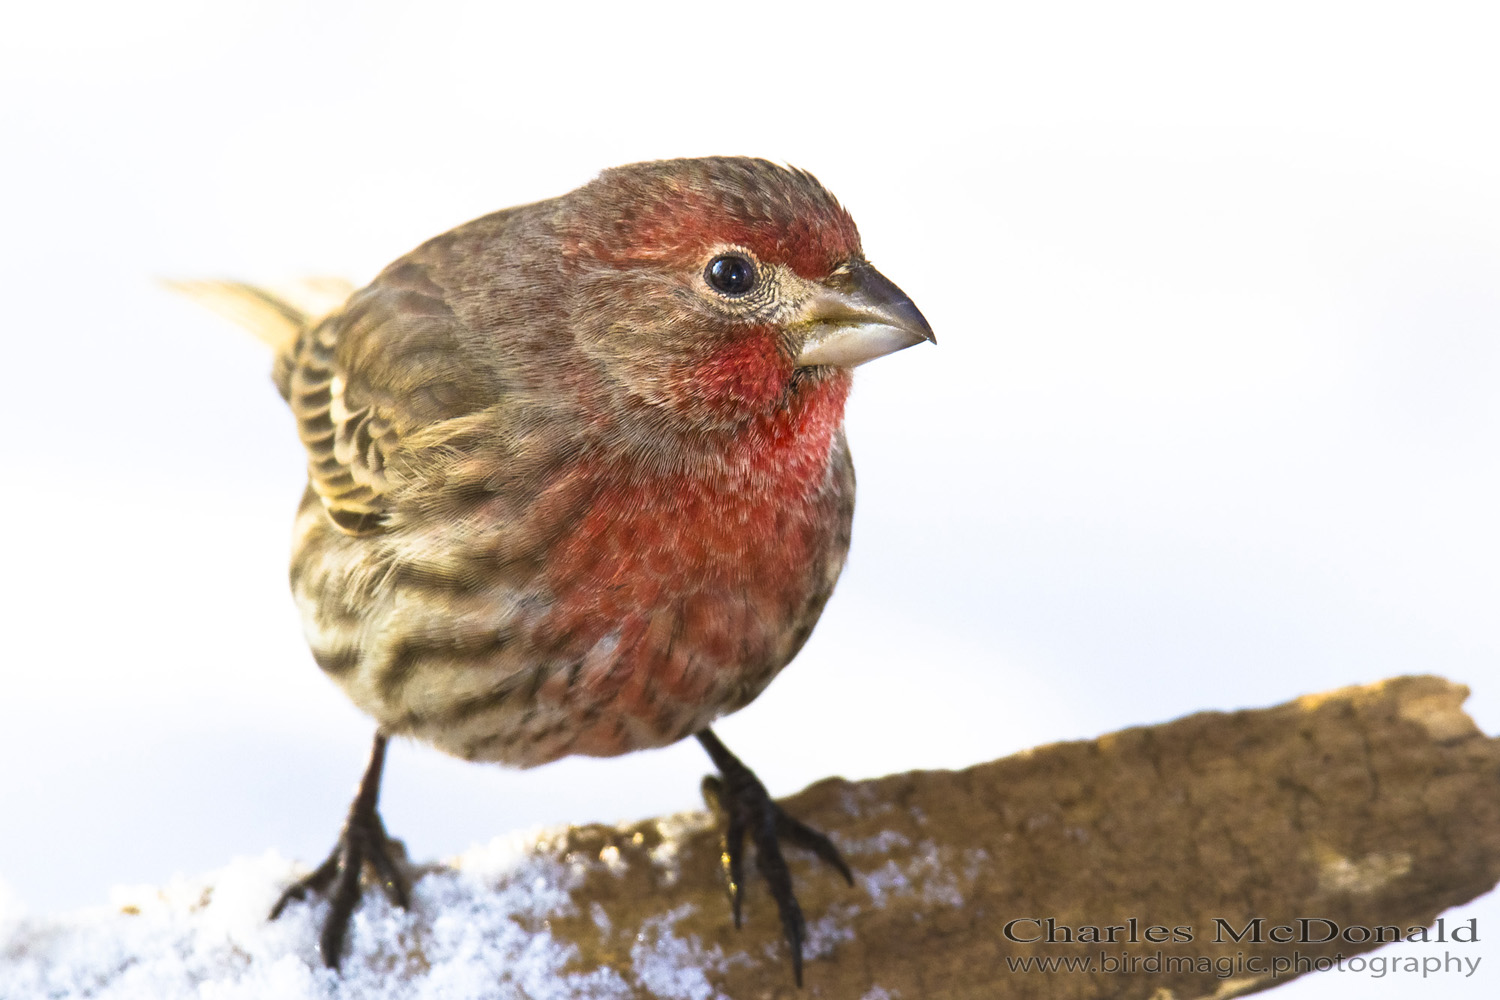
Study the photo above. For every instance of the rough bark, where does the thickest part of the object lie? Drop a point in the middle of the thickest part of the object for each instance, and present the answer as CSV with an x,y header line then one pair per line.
x,y
1369,806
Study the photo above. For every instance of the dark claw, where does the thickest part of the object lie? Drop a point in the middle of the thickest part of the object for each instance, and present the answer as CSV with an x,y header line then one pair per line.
x,y
317,881
790,828
362,841
391,878
748,808
733,856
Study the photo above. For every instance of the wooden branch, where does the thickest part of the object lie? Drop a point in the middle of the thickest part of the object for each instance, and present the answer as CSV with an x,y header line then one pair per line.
x,y
1365,808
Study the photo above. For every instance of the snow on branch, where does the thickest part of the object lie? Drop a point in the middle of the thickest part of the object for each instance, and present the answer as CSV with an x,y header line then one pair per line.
x,y
1219,844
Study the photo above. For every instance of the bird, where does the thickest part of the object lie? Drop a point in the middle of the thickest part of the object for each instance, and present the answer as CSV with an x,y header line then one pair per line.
x,y
578,482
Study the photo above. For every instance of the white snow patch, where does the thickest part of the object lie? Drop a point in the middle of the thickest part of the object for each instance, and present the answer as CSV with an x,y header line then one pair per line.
x,y
671,966
477,933
887,880
881,843
942,891
600,918
825,933
928,874
860,799
479,930
976,862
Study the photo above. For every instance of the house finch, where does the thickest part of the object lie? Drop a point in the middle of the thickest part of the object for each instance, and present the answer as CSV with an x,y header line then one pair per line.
x,y
578,482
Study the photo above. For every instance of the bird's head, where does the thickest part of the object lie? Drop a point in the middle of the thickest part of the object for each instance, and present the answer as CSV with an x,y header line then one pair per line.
x,y
714,287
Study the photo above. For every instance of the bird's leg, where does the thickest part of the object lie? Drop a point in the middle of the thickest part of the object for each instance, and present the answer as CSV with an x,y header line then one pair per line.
x,y
748,809
362,841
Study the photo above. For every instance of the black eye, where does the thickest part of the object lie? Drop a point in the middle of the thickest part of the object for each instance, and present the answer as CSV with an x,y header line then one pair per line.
x,y
731,274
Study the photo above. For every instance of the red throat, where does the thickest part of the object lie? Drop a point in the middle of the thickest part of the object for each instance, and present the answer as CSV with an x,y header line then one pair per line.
x,y
747,376
691,580
719,519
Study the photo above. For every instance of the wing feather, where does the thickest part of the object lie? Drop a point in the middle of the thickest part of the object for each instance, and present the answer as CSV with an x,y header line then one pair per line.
x,y
365,378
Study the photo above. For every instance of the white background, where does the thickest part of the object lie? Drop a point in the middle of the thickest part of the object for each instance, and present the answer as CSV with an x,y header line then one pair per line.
x,y
1212,422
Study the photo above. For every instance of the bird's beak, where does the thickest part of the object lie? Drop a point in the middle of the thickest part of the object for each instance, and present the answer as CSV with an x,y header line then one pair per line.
x,y
857,315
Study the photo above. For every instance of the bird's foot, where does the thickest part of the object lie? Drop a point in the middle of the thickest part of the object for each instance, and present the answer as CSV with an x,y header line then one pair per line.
x,y
363,841
750,811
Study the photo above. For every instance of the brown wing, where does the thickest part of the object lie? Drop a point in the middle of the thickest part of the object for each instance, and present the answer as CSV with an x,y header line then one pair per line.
x,y
386,365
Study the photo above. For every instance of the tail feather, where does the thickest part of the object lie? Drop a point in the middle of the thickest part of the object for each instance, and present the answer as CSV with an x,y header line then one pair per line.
x,y
277,317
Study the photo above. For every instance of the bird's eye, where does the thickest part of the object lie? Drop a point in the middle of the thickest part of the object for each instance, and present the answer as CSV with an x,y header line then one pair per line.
x,y
731,274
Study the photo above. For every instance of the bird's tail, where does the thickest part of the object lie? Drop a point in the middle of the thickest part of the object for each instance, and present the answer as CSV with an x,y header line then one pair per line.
x,y
277,317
